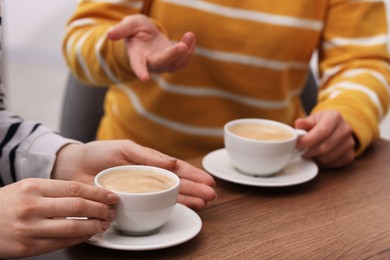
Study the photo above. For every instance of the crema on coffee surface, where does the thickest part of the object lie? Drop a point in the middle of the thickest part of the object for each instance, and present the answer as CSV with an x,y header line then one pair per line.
x,y
136,181
259,131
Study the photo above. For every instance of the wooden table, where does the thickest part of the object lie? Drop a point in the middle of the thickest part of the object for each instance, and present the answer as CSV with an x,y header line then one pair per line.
x,y
341,214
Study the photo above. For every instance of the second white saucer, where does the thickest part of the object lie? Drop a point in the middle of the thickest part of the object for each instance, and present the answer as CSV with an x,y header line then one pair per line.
x,y
183,225
297,171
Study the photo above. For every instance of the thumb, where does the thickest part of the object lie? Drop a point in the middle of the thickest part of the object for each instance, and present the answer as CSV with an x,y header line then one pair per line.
x,y
120,31
305,123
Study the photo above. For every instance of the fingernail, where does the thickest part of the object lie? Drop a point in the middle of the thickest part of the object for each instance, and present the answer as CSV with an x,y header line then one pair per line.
x,y
105,225
169,158
111,214
112,198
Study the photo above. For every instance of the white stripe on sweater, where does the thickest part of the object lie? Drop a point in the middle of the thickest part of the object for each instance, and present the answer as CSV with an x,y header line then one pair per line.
x,y
363,42
250,60
357,87
199,91
130,3
79,55
242,14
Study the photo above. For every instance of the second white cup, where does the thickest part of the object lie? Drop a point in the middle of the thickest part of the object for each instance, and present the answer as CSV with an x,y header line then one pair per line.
x,y
260,147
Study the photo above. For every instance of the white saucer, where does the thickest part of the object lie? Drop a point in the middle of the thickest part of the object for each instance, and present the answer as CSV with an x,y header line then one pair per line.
x,y
183,225
297,171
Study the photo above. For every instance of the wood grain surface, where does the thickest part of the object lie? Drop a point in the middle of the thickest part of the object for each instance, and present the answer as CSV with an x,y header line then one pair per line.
x,y
341,214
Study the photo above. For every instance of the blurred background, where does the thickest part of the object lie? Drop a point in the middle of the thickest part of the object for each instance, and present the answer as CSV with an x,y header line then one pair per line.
x,y
34,71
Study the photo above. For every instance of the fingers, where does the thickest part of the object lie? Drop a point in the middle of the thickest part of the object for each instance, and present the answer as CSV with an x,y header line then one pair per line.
x,y
192,202
189,39
305,123
334,141
148,49
330,139
174,57
168,59
199,190
120,31
319,131
75,207
138,64
138,154
66,199
155,53
69,228
186,171
331,154
128,27
57,189
195,195
341,155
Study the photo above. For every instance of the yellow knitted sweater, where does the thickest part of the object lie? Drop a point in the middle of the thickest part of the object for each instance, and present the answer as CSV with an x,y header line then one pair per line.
x,y
251,60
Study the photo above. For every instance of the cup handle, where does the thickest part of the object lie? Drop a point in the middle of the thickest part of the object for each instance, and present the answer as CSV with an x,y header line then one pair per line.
x,y
300,133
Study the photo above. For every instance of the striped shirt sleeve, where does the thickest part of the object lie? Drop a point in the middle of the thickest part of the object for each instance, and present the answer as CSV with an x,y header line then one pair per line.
x,y
27,149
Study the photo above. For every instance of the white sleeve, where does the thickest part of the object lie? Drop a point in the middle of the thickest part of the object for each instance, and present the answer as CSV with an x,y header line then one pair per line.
x,y
27,149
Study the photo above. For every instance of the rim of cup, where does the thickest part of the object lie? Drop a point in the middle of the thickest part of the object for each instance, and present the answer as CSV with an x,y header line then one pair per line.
x,y
139,167
259,120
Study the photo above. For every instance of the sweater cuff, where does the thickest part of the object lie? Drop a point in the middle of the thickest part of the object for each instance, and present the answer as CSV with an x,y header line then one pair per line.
x,y
363,125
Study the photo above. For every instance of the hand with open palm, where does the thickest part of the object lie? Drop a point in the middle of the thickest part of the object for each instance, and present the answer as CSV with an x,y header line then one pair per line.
x,y
149,49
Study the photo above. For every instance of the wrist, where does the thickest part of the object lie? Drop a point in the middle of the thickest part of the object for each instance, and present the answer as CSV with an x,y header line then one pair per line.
x,y
66,160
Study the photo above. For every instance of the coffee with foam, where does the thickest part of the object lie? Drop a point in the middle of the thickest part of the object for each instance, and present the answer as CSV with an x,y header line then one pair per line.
x,y
261,131
136,181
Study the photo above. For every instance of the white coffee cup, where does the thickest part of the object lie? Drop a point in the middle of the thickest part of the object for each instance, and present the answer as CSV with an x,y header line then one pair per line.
x,y
260,147
140,212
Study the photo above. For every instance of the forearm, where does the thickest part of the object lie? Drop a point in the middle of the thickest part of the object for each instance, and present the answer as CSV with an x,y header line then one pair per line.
x,y
354,67
28,149
92,57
